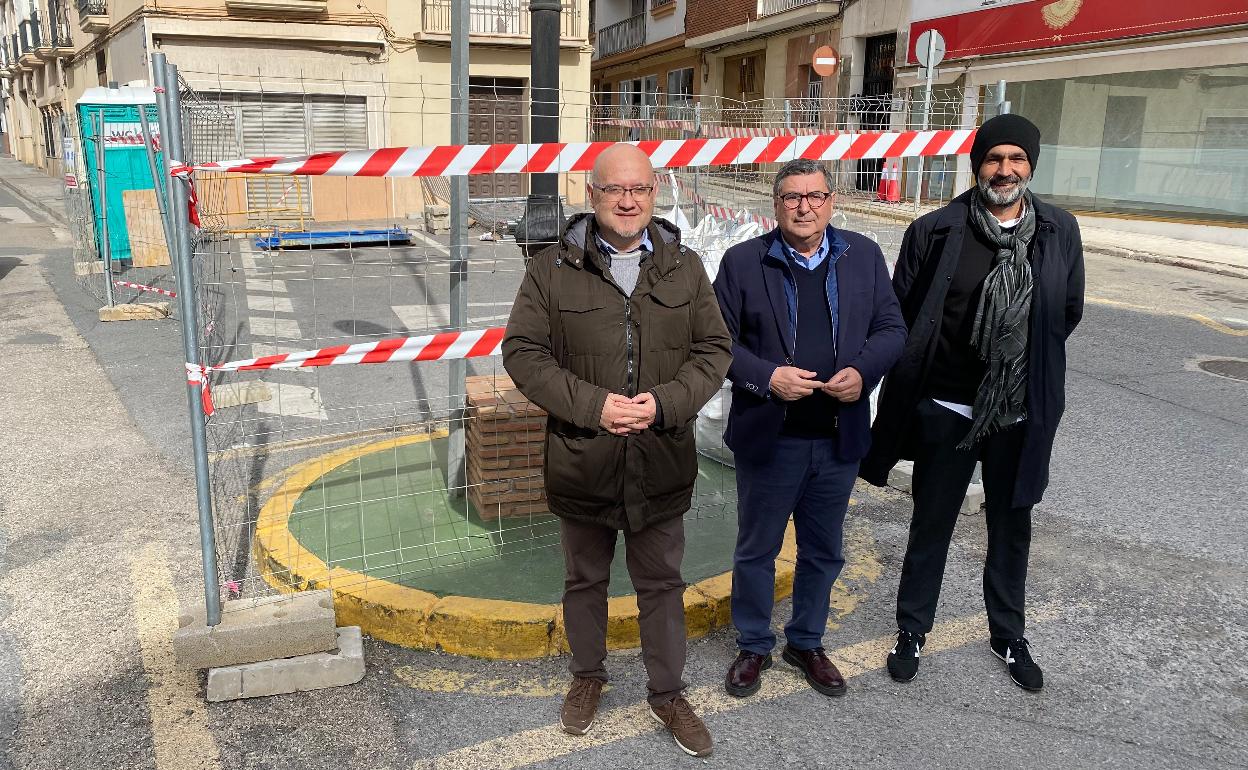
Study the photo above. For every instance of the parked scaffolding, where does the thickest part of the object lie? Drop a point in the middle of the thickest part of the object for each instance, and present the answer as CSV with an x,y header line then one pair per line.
x,y
320,371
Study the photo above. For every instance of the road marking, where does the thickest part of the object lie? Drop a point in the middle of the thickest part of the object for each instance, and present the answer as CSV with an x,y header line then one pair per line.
x,y
543,744
443,680
293,401
419,318
180,728
270,326
15,215
1212,323
270,303
266,285
428,241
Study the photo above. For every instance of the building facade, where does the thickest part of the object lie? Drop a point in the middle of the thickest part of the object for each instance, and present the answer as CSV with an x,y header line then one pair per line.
x,y
298,76
1143,106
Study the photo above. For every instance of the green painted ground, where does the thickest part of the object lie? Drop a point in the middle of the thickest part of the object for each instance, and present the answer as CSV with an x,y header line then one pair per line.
x,y
387,514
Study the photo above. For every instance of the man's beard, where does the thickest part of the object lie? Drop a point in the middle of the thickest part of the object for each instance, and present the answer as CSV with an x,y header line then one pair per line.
x,y
1003,198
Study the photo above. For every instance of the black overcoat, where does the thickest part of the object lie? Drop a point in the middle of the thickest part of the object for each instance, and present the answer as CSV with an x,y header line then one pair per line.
x,y
929,256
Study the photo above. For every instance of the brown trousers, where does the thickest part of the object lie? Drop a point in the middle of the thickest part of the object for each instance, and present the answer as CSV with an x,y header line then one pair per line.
x,y
653,556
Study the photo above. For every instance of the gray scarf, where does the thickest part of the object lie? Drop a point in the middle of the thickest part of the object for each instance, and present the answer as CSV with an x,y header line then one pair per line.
x,y
1000,334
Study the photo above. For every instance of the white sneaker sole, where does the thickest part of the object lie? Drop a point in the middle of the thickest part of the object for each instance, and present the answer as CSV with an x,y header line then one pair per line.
x,y
574,731
682,746
1001,658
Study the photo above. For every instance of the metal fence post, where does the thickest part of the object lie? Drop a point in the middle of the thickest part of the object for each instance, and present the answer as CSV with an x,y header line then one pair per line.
x,y
456,480
150,148
169,111
697,132
101,186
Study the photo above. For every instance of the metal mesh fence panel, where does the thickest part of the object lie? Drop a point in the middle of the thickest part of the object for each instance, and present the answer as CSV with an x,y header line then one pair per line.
x,y
336,476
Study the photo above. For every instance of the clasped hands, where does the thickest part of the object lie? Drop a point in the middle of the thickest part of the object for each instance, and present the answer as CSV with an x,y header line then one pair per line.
x,y
623,416
791,383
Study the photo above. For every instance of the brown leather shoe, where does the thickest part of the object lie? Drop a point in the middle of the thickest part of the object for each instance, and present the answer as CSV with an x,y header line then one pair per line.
x,y
580,706
745,673
689,731
820,672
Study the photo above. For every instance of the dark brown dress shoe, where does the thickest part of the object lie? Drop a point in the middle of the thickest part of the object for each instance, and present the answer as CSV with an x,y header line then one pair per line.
x,y
745,673
820,672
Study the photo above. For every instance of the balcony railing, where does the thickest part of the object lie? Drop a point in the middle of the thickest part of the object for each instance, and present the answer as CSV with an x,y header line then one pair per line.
x,y
56,28
622,36
92,8
656,4
771,7
502,18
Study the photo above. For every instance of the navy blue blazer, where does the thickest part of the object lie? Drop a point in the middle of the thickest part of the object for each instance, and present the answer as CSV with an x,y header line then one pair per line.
x,y
755,289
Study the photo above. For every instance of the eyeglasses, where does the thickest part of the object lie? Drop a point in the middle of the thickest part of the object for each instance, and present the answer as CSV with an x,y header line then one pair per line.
x,y
614,192
815,199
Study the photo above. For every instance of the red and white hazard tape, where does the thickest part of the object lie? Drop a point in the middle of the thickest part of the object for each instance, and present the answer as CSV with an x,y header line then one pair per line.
x,y
144,287
462,160
687,125
432,347
716,131
723,212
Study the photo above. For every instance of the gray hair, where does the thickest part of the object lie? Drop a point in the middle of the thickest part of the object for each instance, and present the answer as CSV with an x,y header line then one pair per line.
x,y
801,167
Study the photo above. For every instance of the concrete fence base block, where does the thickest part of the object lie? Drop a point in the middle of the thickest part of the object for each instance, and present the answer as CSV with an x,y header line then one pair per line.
x,y
252,630
88,268
974,500
899,477
137,311
336,668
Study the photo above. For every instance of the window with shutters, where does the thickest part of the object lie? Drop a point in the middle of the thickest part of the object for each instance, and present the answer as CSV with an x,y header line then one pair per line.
x,y
279,125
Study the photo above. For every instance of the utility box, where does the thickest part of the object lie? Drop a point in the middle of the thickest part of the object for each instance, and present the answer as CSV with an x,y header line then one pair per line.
x,y
125,157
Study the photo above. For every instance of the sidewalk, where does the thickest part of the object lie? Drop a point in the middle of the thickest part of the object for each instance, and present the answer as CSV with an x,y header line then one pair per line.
x,y
36,189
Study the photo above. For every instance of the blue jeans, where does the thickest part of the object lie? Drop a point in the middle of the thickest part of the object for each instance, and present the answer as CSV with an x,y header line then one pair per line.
x,y
805,478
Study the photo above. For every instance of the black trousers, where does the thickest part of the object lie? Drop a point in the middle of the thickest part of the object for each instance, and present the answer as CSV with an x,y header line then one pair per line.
x,y
941,475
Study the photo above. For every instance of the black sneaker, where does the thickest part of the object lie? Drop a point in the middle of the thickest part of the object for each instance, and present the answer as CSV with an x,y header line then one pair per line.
x,y
903,660
1023,670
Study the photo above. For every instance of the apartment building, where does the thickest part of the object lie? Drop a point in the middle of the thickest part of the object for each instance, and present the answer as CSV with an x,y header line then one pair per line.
x,y
640,59
298,76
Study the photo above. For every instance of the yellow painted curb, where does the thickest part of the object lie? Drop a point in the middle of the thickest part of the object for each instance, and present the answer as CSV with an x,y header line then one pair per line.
x,y
488,628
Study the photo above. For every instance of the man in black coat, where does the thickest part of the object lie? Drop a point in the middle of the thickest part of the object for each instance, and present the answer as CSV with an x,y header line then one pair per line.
x,y
990,286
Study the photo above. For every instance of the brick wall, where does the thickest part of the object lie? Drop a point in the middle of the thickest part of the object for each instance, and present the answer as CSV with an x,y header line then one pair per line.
x,y
504,449
703,17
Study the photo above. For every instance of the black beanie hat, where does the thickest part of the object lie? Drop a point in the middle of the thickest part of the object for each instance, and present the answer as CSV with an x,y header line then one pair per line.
x,y
1005,129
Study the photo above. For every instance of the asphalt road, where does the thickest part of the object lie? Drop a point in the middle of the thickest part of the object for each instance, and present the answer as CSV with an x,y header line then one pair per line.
x,y
1138,612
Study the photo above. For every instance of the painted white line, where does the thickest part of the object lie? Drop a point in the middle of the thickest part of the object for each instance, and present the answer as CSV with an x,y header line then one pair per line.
x,y
270,303
261,349
268,326
429,241
293,401
265,285
181,733
416,318
15,215
543,744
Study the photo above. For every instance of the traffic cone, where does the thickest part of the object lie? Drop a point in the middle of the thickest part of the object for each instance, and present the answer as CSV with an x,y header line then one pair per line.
x,y
881,192
892,193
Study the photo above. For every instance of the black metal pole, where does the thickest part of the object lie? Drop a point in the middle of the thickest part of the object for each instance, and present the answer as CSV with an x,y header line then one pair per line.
x,y
543,217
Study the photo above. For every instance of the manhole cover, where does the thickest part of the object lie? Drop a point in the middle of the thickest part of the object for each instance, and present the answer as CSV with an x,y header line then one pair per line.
x,y
1226,367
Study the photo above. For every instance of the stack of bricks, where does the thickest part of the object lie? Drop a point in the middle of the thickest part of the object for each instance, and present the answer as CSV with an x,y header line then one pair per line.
x,y
504,448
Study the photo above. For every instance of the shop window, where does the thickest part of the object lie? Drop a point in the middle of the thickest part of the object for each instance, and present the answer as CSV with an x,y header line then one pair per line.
x,y
1171,143
680,94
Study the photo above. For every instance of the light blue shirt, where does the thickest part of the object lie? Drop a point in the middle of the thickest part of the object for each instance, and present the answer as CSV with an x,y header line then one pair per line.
x,y
814,260
646,245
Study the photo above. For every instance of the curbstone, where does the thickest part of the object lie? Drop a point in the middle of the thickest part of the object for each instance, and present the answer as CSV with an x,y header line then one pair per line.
x,y
974,500
490,628
901,475
252,630
337,668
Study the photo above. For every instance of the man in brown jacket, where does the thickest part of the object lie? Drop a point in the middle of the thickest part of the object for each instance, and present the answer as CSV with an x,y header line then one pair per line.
x,y
616,333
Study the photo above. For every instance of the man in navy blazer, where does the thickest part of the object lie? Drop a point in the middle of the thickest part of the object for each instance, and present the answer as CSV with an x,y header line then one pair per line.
x,y
815,326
